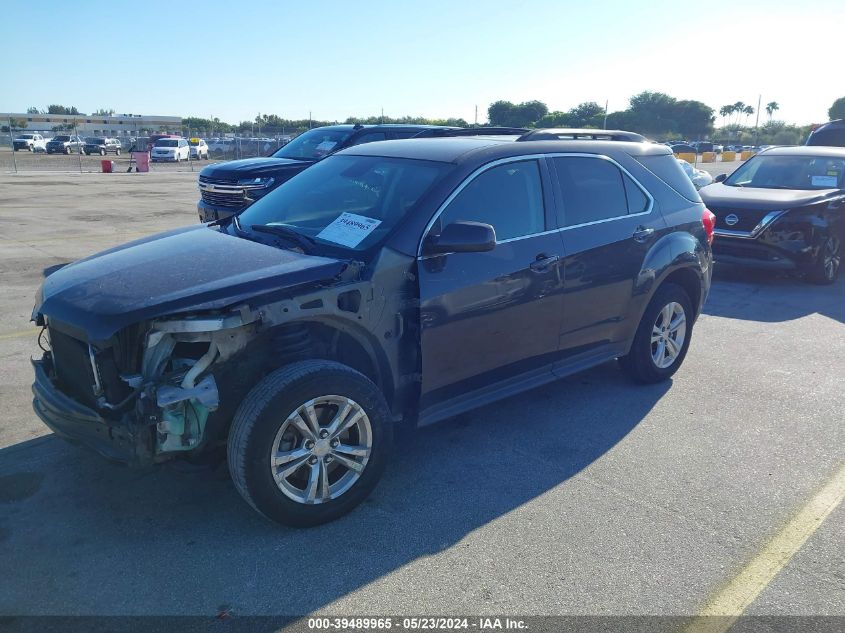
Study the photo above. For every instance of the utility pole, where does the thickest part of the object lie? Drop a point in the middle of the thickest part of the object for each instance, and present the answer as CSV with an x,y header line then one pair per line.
x,y
757,122
606,101
476,116
309,119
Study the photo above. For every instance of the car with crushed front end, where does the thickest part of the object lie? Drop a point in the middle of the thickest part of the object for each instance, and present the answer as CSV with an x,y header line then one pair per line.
x,y
782,210
391,285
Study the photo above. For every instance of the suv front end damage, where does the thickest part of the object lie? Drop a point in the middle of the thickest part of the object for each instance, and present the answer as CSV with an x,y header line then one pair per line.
x,y
138,398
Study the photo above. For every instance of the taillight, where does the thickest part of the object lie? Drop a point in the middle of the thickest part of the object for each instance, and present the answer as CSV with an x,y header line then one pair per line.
x,y
709,222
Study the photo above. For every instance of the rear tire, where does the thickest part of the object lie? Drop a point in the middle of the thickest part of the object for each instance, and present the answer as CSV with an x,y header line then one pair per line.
x,y
825,269
309,482
662,338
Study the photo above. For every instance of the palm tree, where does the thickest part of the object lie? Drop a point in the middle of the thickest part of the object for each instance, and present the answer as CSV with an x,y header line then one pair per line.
x,y
725,111
739,107
771,107
747,111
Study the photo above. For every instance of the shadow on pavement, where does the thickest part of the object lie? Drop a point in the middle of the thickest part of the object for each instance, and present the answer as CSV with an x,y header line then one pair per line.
x,y
82,536
756,295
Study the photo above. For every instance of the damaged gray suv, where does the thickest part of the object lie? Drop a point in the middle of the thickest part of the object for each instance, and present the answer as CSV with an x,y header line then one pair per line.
x,y
401,282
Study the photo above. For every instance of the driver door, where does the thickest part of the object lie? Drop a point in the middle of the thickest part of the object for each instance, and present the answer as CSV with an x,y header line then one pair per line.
x,y
490,320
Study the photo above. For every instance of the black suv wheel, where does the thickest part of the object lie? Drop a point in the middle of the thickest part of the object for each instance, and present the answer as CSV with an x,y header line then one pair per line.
x,y
663,336
309,442
825,269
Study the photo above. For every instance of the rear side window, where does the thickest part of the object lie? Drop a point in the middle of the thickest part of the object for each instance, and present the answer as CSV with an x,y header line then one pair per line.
x,y
594,189
669,171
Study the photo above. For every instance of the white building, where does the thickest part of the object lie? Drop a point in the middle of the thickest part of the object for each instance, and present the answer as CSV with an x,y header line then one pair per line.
x,y
90,125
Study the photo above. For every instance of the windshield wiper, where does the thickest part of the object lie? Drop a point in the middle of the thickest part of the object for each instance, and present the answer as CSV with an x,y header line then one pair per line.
x,y
283,230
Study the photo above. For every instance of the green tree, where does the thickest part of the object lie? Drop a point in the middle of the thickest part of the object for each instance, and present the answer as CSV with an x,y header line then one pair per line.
x,y
18,123
747,111
653,113
837,110
104,112
725,111
60,109
507,114
694,118
587,114
739,106
771,108
32,110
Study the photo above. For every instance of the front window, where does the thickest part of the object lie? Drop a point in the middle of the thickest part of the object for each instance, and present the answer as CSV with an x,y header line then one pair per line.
x,y
93,140
62,138
790,172
27,136
314,144
167,142
346,201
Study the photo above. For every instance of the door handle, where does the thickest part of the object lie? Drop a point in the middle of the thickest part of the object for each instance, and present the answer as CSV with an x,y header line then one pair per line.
x,y
543,262
643,233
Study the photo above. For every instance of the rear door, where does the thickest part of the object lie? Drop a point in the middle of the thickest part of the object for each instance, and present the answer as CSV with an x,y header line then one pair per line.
x,y
490,317
608,224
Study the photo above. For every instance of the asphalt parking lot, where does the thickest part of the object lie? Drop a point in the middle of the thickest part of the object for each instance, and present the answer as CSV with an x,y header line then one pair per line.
x,y
590,496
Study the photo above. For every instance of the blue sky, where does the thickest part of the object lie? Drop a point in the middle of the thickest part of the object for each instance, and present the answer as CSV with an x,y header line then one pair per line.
x,y
434,58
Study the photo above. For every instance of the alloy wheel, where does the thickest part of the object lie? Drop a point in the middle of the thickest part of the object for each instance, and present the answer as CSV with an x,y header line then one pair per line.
x,y
321,449
832,257
668,334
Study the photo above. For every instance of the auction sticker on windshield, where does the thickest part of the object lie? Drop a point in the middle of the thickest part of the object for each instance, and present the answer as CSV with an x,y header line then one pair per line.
x,y
349,229
824,181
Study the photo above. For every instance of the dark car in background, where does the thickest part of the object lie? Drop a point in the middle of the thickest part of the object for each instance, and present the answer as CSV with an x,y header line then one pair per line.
x,y
783,209
830,134
65,144
230,187
401,282
102,145
683,148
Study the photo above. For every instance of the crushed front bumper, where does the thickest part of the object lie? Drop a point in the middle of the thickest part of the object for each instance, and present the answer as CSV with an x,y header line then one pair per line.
x,y
82,425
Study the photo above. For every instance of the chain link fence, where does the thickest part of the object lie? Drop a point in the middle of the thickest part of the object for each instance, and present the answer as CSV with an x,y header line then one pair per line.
x,y
69,150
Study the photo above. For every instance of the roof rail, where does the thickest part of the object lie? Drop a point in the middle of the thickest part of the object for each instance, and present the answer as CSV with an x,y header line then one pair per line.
x,y
588,134
471,131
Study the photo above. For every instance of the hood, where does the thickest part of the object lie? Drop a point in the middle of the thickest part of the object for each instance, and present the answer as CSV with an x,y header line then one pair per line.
x,y
172,273
718,195
237,169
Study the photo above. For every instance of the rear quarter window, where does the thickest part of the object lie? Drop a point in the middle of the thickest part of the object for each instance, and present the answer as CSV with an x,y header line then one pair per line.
x,y
669,171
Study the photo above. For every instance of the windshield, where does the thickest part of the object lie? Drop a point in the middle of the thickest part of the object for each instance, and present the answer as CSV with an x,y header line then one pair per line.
x,y
95,141
26,136
62,138
346,201
314,144
167,142
790,172
194,142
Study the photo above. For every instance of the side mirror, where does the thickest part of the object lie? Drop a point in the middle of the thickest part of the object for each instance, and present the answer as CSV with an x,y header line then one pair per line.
x,y
462,237
720,178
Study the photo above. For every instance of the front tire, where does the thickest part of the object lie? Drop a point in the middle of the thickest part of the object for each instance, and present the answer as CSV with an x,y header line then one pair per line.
x,y
662,338
309,442
825,269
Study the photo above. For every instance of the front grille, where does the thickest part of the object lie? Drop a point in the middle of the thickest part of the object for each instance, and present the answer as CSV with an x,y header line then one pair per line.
x,y
75,375
73,367
748,219
222,193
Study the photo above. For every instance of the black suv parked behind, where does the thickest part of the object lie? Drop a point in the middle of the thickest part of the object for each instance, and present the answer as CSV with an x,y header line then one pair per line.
x,y
396,282
230,187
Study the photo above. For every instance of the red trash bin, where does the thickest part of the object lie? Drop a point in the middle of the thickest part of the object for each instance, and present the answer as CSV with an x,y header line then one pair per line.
x,y
107,166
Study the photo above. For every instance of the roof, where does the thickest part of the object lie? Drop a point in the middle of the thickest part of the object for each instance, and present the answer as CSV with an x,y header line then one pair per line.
x,y
807,150
360,126
459,149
